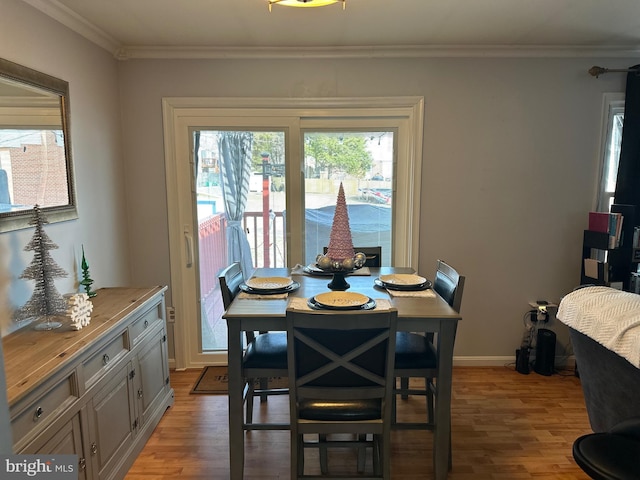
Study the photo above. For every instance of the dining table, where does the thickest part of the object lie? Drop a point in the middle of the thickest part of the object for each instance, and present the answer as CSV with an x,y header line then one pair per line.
x,y
429,314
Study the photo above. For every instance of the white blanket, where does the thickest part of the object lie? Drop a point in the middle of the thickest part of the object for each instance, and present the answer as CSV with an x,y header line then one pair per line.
x,y
610,317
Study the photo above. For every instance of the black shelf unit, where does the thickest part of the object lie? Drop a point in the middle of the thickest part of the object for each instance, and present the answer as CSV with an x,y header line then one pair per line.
x,y
620,261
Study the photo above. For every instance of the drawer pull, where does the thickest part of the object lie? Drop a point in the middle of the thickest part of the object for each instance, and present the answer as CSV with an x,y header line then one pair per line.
x,y
94,448
105,359
139,393
146,323
38,413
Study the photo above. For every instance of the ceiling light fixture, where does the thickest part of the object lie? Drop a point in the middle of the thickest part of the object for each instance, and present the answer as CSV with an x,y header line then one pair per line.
x,y
306,3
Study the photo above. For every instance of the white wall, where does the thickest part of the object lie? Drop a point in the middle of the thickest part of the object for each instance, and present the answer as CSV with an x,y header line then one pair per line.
x,y
32,39
509,167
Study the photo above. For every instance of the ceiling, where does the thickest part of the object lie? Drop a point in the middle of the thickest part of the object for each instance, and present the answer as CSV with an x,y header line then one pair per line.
x,y
206,28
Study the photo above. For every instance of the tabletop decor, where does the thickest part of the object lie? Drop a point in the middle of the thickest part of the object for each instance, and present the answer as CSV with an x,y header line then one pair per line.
x,y
79,310
340,258
45,302
86,281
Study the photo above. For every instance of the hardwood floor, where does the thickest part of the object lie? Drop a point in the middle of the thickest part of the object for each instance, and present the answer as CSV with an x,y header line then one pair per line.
x,y
506,426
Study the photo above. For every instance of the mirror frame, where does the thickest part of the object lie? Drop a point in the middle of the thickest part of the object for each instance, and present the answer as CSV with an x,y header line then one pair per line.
x,y
14,72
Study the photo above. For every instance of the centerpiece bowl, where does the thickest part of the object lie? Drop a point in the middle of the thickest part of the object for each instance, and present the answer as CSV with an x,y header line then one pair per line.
x,y
340,268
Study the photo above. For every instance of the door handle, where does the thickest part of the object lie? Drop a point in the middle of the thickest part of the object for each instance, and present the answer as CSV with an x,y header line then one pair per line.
x,y
188,243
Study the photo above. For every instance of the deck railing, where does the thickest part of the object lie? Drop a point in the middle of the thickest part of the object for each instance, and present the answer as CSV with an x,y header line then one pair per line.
x,y
266,250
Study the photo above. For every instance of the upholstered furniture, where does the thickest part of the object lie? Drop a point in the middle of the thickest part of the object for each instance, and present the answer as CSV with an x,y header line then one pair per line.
x,y
265,355
341,374
611,455
604,328
416,353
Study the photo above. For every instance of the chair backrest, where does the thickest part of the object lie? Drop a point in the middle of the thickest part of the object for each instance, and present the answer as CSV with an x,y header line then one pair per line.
x,y
449,284
374,255
341,355
230,279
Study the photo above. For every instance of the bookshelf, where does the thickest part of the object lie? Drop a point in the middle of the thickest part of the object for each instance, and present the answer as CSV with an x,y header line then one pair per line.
x,y
603,264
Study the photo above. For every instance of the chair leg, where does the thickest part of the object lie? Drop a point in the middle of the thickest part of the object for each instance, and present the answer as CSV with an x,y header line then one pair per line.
x,y
362,452
297,456
264,384
428,383
404,385
377,439
249,401
322,450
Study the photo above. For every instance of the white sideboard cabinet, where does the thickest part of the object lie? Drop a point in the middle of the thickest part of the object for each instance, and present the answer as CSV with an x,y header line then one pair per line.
x,y
97,392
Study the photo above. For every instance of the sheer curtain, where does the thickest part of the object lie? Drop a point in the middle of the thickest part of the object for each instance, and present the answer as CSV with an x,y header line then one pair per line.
x,y
235,169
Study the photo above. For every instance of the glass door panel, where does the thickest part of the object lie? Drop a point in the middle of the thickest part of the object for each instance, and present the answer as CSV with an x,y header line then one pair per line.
x,y
263,221
364,163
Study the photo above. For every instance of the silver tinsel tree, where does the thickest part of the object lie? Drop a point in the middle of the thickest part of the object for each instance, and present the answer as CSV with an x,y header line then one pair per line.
x,y
45,300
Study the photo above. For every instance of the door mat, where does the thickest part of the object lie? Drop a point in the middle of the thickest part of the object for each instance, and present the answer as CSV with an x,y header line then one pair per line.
x,y
214,380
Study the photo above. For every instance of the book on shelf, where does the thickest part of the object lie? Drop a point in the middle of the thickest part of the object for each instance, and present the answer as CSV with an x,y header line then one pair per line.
x,y
607,222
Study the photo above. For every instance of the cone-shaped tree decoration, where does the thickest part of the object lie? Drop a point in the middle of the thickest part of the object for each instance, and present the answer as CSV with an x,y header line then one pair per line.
x,y
45,300
340,241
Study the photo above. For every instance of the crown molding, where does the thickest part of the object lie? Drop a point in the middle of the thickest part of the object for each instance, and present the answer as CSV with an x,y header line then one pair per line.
x,y
411,51
75,22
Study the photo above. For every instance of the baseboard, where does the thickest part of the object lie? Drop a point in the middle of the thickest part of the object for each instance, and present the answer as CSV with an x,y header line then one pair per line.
x,y
497,361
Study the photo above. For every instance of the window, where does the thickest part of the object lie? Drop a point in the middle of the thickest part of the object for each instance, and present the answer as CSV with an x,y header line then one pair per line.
x,y
613,120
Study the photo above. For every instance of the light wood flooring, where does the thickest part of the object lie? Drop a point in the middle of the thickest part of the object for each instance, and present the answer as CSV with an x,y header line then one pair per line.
x,y
505,426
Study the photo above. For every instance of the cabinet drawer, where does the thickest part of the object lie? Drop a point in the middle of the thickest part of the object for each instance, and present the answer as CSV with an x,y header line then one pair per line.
x,y
102,360
43,410
145,323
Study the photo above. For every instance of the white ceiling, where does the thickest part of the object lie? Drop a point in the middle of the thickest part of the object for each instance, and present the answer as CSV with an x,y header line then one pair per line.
x,y
201,28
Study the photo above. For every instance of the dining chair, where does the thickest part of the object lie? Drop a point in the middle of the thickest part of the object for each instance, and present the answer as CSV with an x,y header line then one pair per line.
x,y
373,254
611,455
341,375
265,354
416,353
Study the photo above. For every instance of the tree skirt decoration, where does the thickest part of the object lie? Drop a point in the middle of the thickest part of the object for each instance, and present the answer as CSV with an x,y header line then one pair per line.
x,y
340,257
45,302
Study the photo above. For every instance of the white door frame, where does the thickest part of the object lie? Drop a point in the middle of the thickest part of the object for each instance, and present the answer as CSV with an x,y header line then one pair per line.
x,y
182,115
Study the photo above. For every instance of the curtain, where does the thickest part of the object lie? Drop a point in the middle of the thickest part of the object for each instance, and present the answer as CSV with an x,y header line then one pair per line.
x,y
628,181
235,169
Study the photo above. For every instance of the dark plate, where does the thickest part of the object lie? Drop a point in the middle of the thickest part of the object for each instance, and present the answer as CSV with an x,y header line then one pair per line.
x,y
407,288
274,291
370,305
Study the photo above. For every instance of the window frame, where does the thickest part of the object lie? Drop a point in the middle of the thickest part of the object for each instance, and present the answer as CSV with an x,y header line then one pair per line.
x,y
612,105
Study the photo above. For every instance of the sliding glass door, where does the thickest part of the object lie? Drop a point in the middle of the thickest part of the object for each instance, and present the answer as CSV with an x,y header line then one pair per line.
x,y
299,156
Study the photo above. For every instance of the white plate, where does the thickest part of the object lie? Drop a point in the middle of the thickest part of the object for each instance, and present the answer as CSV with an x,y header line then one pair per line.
x,y
268,283
403,279
341,299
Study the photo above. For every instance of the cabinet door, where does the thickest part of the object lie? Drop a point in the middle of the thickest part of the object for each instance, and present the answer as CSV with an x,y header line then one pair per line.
x,y
67,440
112,422
152,375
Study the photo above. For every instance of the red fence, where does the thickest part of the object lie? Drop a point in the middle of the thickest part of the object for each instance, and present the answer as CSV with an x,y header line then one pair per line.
x,y
266,250
213,251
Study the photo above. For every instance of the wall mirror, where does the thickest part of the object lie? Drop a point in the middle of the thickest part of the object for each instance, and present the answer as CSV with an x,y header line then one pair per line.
x,y
35,147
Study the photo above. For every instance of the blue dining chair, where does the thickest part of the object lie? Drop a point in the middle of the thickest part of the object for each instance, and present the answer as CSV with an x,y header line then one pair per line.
x,y
416,353
341,375
265,355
